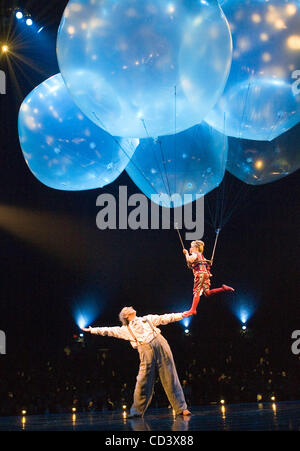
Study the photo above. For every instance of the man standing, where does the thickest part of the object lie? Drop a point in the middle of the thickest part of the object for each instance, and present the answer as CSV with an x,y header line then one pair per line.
x,y
154,352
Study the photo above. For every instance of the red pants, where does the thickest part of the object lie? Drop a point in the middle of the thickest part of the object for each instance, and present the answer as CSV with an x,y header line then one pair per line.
x,y
202,285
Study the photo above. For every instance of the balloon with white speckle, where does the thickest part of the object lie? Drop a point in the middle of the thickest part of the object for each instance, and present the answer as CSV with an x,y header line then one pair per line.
x,y
144,68
261,99
62,147
261,162
175,170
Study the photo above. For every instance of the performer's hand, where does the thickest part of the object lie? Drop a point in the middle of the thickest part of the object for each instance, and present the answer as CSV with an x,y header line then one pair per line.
x,y
186,252
188,313
86,329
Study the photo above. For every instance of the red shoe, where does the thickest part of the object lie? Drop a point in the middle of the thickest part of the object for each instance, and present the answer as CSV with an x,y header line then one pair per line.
x,y
191,312
226,288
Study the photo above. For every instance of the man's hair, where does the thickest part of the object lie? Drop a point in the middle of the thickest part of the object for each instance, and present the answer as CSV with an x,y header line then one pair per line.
x,y
197,243
122,315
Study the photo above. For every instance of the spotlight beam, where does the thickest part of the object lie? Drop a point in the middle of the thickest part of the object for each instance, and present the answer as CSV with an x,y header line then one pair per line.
x,y
62,237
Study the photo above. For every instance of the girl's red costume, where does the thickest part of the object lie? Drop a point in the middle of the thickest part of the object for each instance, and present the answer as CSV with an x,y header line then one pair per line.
x,y
202,275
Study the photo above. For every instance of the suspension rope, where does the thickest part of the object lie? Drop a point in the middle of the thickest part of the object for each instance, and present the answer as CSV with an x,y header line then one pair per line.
x,y
156,160
176,227
215,245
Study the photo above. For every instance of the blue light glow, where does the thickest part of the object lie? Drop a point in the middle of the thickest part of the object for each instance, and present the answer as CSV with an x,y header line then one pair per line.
x,y
19,15
29,22
82,320
185,323
244,314
243,309
85,312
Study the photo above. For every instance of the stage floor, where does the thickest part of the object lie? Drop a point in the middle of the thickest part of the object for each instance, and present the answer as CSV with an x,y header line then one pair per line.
x,y
234,417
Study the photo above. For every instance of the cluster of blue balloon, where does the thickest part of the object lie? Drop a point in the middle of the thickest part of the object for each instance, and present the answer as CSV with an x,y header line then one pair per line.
x,y
261,100
158,87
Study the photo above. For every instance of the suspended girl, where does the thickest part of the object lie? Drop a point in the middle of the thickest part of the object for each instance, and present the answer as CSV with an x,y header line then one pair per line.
x,y
201,270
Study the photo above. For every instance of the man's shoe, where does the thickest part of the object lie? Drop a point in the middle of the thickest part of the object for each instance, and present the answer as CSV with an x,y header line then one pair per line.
x,y
185,413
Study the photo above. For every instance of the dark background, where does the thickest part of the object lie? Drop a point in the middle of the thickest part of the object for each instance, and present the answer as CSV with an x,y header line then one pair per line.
x,y
58,258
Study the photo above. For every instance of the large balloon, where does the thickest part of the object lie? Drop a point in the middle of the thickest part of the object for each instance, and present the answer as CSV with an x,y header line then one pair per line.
x,y
260,162
261,99
62,147
179,168
144,68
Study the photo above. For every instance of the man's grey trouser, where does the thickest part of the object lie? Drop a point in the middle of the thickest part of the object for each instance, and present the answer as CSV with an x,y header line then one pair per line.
x,y
157,354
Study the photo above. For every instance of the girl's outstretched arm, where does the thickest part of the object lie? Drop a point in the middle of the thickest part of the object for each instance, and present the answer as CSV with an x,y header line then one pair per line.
x,y
189,258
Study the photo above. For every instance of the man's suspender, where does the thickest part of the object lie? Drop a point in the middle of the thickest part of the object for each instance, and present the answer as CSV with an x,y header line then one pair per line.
x,y
134,337
151,325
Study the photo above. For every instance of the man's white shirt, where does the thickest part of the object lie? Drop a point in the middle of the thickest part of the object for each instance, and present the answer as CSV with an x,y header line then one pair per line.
x,y
141,329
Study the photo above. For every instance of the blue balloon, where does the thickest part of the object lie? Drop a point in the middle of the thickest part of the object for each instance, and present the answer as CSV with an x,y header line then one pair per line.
x,y
261,162
144,68
63,148
261,99
175,170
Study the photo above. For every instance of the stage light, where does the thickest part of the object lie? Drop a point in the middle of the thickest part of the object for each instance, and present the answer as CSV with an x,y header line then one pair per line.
x,y
23,422
124,407
86,311
222,401
29,22
223,410
4,48
185,322
243,309
273,398
258,397
19,15
73,409
82,321
24,412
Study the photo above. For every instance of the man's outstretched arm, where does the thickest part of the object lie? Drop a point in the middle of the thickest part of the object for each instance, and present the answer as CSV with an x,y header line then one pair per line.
x,y
116,332
167,318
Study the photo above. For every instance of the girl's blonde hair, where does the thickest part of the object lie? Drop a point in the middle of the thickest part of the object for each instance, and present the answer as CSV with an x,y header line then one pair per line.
x,y
197,244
